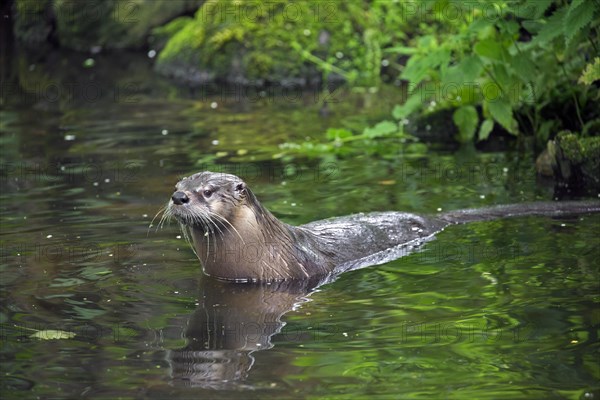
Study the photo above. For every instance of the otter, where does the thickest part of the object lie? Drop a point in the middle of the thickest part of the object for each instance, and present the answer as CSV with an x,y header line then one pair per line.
x,y
236,238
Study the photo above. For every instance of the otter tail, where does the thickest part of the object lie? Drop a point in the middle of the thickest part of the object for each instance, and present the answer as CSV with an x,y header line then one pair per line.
x,y
546,208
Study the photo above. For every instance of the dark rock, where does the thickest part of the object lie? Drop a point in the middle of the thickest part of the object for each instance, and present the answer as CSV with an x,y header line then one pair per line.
x,y
575,162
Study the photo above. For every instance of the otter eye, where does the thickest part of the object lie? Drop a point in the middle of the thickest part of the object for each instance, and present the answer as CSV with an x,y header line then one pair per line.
x,y
207,193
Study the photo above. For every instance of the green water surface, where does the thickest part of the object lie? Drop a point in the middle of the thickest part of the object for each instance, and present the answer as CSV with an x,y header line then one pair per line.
x,y
494,310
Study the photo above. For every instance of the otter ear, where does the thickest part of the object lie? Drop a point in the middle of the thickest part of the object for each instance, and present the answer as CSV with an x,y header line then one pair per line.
x,y
240,187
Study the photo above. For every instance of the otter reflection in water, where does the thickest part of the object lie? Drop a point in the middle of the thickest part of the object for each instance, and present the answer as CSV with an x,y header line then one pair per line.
x,y
230,323
236,238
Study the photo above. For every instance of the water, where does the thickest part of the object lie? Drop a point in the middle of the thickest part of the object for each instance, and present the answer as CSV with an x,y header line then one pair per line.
x,y
502,309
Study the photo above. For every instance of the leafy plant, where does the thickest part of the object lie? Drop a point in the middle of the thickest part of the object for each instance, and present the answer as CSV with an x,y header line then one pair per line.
x,y
509,70
591,73
386,139
503,70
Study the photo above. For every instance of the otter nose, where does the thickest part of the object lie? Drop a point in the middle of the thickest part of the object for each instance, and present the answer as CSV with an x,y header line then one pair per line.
x,y
180,198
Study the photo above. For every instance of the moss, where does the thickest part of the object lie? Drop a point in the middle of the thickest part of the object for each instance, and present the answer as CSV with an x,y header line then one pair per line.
x,y
578,149
576,160
570,146
279,41
81,25
186,39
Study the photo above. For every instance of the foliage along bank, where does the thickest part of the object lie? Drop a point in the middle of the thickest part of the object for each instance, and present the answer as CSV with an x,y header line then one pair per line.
x,y
505,66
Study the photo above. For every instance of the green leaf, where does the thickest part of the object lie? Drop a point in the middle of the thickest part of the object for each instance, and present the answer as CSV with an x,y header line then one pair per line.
x,y
471,67
438,57
524,67
337,133
545,129
452,74
501,110
51,334
482,28
416,69
491,49
533,26
503,77
416,148
402,50
427,41
418,66
466,119
510,27
530,10
578,16
527,94
591,73
485,129
553,28
411,105
384,128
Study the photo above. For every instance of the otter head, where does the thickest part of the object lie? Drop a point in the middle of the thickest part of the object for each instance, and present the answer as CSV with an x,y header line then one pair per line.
x,y
207,200
232,234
